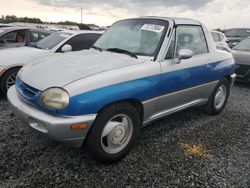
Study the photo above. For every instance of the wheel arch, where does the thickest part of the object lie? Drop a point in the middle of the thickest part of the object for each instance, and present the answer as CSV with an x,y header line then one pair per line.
x,y
134,102
230,79
10,68
3,89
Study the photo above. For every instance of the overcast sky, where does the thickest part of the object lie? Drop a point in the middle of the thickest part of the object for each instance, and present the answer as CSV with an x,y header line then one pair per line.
x,y
214,13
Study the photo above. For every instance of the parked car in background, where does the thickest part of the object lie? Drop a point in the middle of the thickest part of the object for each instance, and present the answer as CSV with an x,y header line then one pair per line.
x,y
241,54
5,25
12,59
235,35
21,36
220,40
140,70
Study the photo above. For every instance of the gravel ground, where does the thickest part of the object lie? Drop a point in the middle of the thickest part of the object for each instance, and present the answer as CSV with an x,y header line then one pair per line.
x,y
29,160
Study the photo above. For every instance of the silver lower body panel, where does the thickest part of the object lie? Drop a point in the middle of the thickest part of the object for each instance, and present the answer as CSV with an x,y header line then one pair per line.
x,y
55,127
177,101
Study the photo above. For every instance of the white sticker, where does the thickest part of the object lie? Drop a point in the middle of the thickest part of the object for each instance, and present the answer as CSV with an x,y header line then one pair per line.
x,y
152,27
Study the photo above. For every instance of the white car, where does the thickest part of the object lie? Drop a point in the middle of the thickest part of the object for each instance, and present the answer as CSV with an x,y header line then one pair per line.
x,y
12,59
220,40
11,37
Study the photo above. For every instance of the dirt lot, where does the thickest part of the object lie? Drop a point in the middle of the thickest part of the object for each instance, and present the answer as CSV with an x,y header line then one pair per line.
x,y
188,149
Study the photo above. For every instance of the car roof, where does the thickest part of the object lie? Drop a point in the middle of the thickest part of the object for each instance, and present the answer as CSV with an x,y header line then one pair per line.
x,y
7,25
217,32
238,28
18,28
176,20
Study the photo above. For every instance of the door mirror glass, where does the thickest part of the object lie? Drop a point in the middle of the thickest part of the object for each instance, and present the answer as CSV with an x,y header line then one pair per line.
x,y
66,48
184,54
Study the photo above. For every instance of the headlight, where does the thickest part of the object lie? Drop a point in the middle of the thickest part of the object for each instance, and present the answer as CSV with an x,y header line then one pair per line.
x,y
55,98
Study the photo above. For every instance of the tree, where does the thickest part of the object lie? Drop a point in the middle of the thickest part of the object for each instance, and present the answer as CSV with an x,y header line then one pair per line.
x,y
13,18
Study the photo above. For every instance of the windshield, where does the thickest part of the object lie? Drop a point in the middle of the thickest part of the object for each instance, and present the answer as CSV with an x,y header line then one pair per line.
x,y
237,33
53,40
244,45
138,36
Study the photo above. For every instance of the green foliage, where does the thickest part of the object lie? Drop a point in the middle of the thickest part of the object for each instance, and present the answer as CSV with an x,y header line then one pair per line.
x,y
12,18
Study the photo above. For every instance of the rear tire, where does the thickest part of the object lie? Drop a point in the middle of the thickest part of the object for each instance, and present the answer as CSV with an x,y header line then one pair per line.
x,y
114,133
218,99
7,80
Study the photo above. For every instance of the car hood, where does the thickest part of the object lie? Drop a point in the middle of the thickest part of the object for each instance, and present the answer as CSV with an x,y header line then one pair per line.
x,y
241,57
61,70
20,56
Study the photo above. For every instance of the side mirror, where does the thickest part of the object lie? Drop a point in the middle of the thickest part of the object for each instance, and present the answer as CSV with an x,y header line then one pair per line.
x,y
184,54
66,48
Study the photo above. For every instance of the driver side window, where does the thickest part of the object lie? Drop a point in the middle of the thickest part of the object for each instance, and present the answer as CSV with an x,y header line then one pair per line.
x,y
17,36
187,37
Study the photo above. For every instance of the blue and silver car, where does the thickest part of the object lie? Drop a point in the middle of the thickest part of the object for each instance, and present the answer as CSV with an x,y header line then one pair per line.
x,y
140,70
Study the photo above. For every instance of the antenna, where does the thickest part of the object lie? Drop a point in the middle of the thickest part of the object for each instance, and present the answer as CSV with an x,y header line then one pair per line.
x,y
81,15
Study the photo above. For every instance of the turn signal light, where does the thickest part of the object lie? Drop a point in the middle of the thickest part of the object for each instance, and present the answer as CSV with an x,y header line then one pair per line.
x,y
79,126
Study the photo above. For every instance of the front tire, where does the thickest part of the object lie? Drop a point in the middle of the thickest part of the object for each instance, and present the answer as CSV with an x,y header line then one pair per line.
x,y
218,99
8,79
114,132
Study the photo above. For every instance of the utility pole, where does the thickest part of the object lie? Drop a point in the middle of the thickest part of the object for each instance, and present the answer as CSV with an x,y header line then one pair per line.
x,y
81,15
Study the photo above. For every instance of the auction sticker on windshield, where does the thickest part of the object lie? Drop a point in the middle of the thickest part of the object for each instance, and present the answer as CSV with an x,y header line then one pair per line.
x,y
152,27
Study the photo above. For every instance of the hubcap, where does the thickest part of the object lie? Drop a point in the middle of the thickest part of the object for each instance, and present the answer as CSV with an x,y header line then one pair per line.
x,y
220,97
117,133
11,80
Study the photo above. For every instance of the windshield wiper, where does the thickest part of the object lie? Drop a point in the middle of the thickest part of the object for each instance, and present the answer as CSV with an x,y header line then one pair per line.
x,y
118,50
97,48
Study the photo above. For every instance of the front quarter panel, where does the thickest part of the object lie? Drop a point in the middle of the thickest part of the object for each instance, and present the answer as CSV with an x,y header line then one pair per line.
x,y
138,82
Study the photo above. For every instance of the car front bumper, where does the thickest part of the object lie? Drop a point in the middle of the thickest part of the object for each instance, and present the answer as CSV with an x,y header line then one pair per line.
x,y
233,79
55,127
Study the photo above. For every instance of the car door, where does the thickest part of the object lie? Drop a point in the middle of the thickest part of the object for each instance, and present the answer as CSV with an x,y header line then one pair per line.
x,y
10,38
185,83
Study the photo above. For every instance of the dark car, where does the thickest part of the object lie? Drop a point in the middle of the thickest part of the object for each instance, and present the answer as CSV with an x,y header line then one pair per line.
x,y
241,54
236,35
21,36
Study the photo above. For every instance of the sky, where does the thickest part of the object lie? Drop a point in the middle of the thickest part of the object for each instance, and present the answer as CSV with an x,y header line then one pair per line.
x,y
214,13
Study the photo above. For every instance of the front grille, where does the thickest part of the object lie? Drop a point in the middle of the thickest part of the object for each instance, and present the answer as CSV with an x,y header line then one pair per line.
x,y
25,90
242,70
